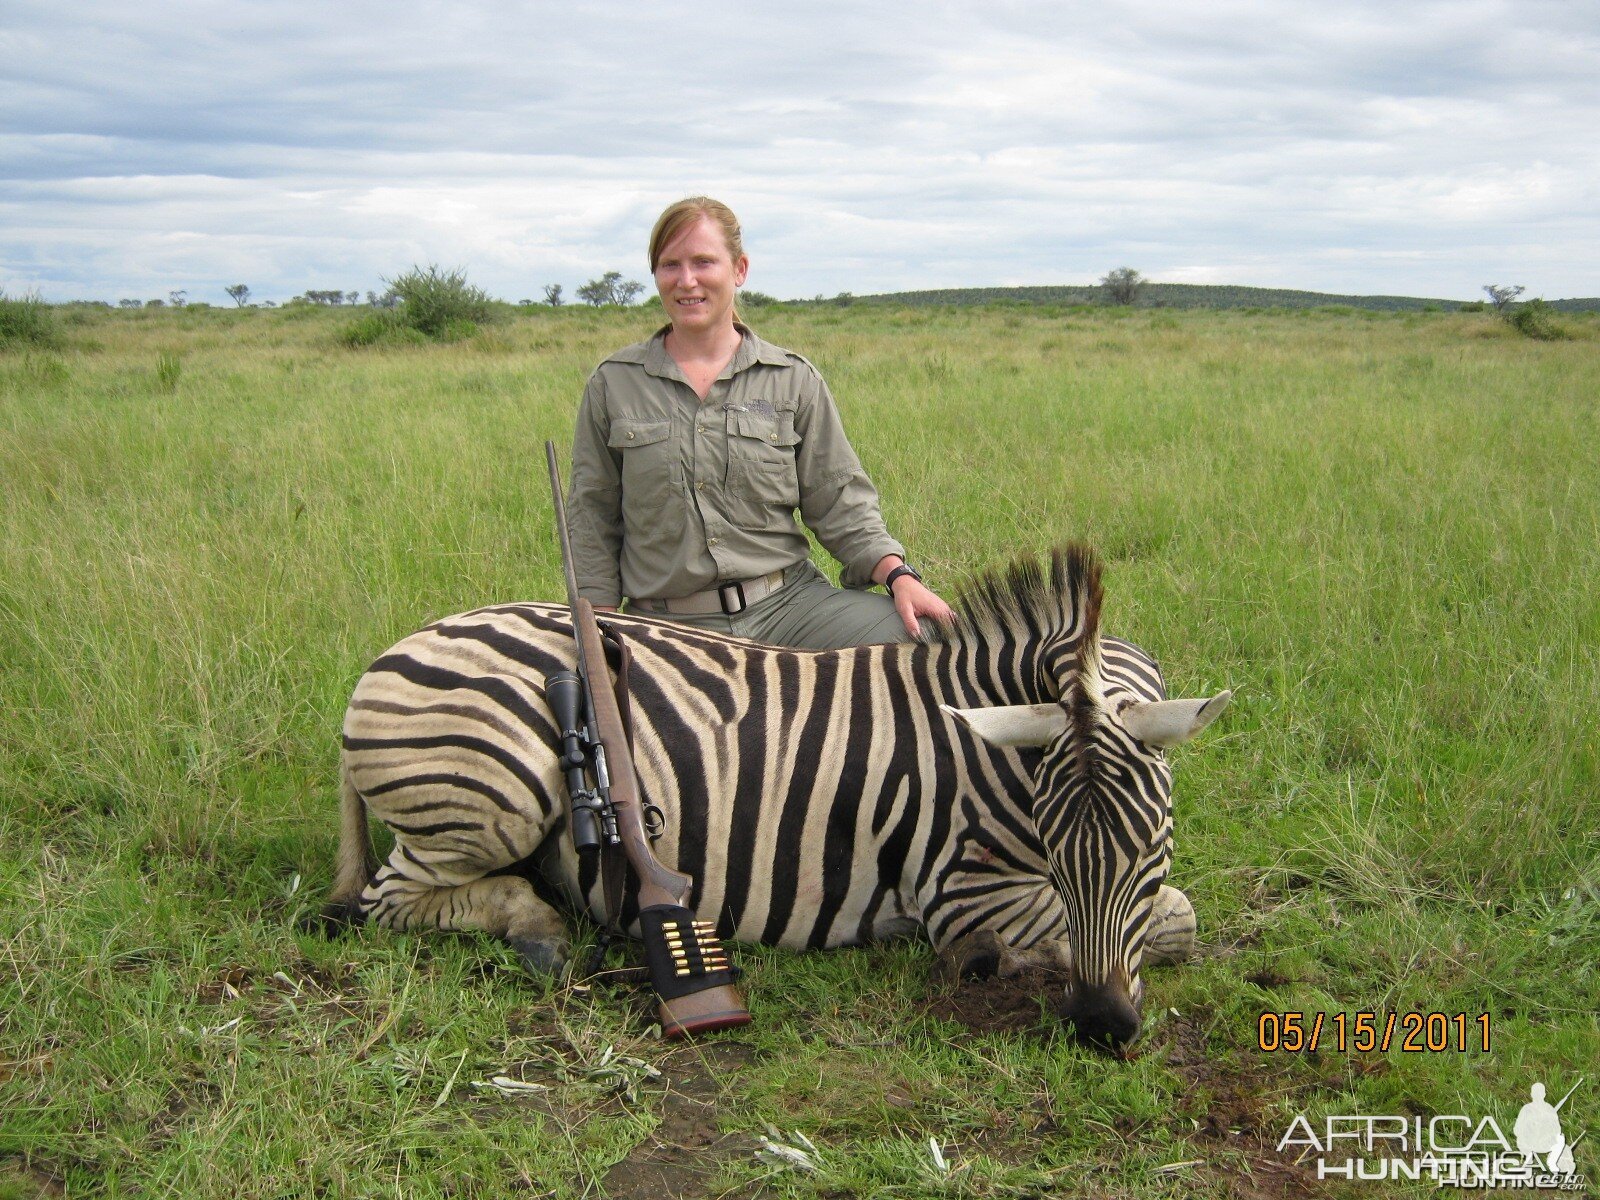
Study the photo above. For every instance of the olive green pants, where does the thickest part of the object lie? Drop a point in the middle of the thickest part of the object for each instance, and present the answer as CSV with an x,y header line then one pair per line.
x,y
808,613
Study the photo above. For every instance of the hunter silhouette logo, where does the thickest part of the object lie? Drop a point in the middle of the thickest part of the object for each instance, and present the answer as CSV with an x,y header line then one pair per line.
x,y
1538,1132
1452,1150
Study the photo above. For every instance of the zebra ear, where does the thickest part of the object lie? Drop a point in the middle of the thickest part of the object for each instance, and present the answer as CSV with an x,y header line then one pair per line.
x,y
1013,724
1168,722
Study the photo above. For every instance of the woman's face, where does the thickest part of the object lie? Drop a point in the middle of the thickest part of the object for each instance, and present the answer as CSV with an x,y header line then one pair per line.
x,y
696,278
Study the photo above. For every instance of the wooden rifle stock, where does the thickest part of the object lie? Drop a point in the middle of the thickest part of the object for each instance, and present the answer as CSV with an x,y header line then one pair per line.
x,y
658,884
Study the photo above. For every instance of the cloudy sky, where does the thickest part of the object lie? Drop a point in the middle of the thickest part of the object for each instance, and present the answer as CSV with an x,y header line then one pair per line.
x,y
1414,148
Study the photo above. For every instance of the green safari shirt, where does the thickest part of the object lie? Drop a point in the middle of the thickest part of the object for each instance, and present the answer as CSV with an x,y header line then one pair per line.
x,y
672,494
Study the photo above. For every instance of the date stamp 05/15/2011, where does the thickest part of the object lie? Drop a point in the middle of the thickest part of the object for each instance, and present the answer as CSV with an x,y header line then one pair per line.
x,y
1363,1032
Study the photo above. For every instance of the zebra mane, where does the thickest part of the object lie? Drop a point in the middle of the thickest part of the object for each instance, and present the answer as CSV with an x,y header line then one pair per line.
x,y
1085,690
1024,602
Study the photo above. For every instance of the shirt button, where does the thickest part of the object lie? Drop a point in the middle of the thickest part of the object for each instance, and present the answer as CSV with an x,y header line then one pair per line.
x,y
630,435
700,487
774,437
712,542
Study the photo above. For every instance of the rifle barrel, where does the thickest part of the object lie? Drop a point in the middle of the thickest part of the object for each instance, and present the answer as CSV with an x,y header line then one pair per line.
x,y
561,524
1570,1090
658,884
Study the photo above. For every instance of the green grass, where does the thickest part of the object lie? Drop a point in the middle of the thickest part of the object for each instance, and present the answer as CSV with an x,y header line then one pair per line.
x,y
27,321
1383,531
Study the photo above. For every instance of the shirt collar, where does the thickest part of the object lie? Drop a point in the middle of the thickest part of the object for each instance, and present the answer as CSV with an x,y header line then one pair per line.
x,y
752,350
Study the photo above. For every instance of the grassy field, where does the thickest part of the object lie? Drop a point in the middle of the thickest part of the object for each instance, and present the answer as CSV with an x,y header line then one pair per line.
x,y
1383,531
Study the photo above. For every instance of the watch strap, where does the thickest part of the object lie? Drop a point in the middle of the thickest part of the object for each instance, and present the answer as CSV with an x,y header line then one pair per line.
x,y
902,570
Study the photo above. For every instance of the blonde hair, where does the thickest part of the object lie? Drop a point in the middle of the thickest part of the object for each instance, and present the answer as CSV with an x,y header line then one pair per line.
x,y
678,217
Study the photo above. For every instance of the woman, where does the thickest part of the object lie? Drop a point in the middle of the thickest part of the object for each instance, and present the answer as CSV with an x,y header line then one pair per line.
x,y
694,449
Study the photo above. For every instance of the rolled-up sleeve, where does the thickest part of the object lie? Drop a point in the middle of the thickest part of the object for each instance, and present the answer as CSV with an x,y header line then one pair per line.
x,y
837,501
594,502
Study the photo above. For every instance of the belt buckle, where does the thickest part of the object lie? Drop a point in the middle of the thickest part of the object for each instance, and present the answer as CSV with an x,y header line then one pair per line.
x,y
737,588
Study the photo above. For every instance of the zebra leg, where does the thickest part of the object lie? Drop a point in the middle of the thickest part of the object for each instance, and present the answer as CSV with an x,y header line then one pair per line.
x,y
1052,955
984,954
1169,938
976,955
502,905
1008,927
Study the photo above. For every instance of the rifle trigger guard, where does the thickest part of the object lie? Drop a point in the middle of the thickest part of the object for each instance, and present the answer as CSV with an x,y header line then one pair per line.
x,y
655,821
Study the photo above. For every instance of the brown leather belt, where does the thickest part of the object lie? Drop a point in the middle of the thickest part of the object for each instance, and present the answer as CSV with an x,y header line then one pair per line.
x,y
728,598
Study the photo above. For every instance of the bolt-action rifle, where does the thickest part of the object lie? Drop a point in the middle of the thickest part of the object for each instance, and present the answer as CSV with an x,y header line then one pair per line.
x,y
689,969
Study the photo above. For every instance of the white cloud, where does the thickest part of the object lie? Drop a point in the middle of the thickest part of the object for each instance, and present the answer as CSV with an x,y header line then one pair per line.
x,y
1417,149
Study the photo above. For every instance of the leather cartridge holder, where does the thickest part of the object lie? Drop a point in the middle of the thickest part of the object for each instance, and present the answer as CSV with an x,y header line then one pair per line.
x,y
683,955
690,971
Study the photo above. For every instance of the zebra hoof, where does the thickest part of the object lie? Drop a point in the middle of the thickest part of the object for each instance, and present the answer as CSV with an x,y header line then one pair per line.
x,y
977,956
541,958
334,919
1170,936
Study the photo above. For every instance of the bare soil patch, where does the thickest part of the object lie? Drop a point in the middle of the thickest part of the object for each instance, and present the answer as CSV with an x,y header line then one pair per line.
x,y
1015,1005
683,1155
1232,1109
1237,1128
20,1176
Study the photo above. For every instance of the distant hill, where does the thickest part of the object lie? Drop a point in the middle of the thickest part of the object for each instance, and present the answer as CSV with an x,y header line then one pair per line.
x,y
1189,295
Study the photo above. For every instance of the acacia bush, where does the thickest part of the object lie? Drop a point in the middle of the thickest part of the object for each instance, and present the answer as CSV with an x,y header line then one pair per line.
x,y
440,304
1533,320
1122,286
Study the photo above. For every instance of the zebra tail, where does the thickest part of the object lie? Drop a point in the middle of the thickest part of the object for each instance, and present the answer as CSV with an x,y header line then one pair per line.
x,y
356,862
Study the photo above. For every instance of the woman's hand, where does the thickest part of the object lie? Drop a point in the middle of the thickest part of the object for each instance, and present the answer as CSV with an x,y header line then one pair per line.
x,y
913,599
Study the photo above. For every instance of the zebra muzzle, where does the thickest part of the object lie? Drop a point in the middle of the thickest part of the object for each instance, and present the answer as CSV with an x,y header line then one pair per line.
x,y
691,972
1105,1015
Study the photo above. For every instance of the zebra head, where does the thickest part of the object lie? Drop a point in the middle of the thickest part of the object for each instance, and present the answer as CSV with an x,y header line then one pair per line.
x,y
1102,798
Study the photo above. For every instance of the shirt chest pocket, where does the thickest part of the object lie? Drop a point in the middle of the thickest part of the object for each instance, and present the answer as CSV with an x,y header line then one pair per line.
x,y
761,465
650,469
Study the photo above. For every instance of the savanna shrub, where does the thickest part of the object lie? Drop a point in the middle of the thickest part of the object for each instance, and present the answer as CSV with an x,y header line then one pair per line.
x,y
456,331
27,321
440,303
1533,320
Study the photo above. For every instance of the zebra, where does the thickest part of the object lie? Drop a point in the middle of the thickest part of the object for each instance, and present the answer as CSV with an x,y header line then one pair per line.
x,y
999,786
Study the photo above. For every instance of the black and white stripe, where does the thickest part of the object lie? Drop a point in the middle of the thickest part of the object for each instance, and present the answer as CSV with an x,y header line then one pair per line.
x,y
816,798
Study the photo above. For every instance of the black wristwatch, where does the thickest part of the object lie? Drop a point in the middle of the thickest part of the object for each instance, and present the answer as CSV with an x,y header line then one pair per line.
x,y
902,569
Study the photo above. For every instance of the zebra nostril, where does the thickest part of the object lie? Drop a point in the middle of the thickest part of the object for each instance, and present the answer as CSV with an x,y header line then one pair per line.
x,y
1103,1016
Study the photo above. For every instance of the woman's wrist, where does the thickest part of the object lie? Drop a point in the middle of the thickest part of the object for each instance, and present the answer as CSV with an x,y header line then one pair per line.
x,y
887,563
904,571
